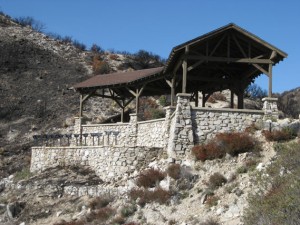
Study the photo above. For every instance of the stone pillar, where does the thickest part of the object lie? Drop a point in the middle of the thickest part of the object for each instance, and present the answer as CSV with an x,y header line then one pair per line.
x,y
270,108
132,130
77,130
181,137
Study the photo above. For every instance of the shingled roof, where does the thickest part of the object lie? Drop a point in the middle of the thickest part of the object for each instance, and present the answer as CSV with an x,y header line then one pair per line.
x,y
120,79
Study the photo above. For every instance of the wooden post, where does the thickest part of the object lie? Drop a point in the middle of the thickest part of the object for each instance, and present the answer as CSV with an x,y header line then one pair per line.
x,y
122,114
81,105
184,71
196,99
203,99
173,91
137,97
270,81
231,99
240,99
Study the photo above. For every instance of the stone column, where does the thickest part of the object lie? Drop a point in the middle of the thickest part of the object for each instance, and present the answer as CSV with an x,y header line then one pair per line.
x,y
181,137
132,130
270,108
77,130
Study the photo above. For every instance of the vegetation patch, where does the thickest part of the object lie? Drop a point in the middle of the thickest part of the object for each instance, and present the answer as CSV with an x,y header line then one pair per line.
x,y
150,178
217,180
278,200
285,134
174,171
232,143
143,196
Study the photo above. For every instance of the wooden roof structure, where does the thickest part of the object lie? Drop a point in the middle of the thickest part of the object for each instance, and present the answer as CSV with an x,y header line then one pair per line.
x,y
227,58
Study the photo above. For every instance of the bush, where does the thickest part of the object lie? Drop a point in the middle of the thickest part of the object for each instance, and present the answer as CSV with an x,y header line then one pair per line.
x,y
254,91
236,143
232,143
128,210
100,202
24,174
150,178
207,151
100,215
174,171
217,180
146,196
279,135
278,200
31,22
210,221
100,66
212,201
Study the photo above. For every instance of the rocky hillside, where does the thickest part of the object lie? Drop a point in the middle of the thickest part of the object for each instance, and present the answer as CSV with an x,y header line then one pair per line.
x,y
289,103
36,73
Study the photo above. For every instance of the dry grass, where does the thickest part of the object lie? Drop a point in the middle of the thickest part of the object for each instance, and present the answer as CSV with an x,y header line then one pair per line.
x,y
150,178
174,171
145,196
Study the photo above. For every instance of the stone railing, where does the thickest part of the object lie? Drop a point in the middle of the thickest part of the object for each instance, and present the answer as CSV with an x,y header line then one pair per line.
x,y
104,134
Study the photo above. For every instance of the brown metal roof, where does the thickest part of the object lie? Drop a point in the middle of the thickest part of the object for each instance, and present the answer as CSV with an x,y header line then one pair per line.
x,y
119,79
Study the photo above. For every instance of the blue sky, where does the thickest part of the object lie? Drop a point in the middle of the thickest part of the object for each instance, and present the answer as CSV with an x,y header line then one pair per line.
x,y
159,25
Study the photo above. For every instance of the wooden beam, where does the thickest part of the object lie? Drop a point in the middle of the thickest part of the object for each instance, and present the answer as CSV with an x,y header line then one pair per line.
x,y
273,55
169,83
239,46
261,69
217,45
233,60
195,65
178,64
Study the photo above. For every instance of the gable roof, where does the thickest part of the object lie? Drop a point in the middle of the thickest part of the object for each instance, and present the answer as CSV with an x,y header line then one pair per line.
x,y
218,32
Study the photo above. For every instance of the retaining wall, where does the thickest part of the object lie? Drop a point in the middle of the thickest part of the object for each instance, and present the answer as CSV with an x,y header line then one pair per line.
x,y
109,163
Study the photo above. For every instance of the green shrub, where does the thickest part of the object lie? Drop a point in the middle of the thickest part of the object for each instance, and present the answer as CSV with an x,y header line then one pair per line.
x,y
23,174
128,210
149,178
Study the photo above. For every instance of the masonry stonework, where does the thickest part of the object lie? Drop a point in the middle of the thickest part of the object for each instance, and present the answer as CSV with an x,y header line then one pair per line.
x,y
109,163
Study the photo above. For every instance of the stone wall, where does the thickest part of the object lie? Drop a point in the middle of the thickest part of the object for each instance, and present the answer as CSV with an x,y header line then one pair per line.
x,y
109,163
151,133
207,121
